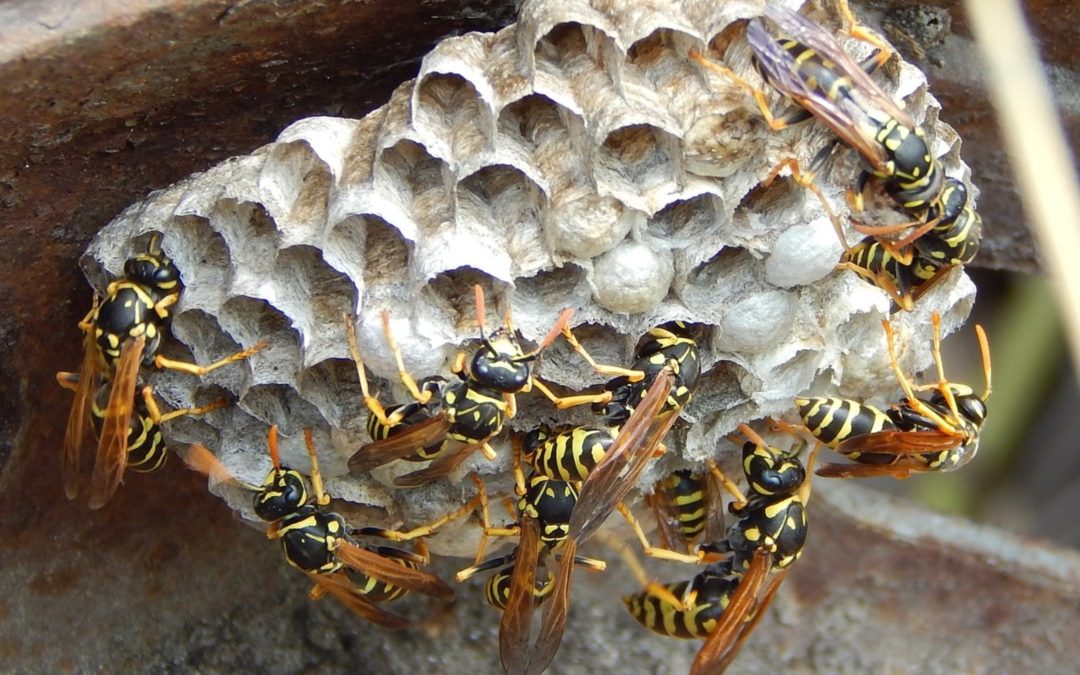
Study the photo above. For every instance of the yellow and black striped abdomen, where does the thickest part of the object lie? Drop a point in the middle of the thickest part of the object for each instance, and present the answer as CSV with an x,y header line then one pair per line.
x,y
571,455
835,420
381,591
699,619
689,501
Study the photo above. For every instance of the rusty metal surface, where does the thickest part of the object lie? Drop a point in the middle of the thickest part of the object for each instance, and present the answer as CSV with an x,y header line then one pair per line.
x,y
106,100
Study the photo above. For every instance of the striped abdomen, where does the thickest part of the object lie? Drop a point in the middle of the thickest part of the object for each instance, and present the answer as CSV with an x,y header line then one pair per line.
x,y
697,621
835,420
571,455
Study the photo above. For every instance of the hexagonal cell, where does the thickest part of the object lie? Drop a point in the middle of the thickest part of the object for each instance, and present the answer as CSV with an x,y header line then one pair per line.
x,y
333,387
316,296
205,342
456,125
280,404
254,319
418,188
252,239
546,132
638,165
295,185
201,255
502,203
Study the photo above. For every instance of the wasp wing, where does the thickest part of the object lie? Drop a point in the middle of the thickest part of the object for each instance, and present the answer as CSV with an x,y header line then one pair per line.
x,y
804,30
79,416
438,468
897,471
725,636
897,442
116,425
391,572
339,586
715,529
517,615
400,445
667,520
848,121
556,612
617,473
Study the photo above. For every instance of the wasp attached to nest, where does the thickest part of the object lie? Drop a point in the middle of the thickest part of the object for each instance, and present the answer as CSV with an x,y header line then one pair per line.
x,y
122,333
601,492
805,63
450,420
317,543
668,345
725,601
916,435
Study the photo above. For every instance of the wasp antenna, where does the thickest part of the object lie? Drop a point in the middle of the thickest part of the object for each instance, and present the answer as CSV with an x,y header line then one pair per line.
x,y
984,349
271,442
478,299
752,436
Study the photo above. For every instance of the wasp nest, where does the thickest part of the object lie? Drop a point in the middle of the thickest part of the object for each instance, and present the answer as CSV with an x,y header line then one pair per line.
x,y
577,159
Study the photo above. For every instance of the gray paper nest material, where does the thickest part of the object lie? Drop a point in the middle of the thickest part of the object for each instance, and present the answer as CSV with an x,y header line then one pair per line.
x,y
576,159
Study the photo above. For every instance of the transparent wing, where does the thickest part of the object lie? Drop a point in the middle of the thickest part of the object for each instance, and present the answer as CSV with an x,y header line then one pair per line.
x,y
556,612
896,442
618,471
517,616
79,417
116,425
386,570
848,121
339,586
726,635
438,468
399,446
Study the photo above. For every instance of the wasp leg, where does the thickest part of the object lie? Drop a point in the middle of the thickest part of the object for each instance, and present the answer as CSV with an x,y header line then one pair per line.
x,y
632,563
157,417
403,374
856,30
602,369
790,117
656,551
917,404
199,371
372,403
806,179
321,498
902,297
479,501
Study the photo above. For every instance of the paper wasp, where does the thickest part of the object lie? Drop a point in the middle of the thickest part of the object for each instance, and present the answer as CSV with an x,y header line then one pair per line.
x,y
670,344
146,447
543,520
915,435
317,542
724,602
452,419
606,487
122,332
805,63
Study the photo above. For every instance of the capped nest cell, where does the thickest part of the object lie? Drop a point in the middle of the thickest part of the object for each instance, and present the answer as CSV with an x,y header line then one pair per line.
x,y
576,159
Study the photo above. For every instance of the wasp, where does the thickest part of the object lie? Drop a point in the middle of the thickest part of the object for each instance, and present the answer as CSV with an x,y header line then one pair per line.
x,y
605,487
724,602
317,542
453,418
668,345
542,513
915,435
121,333
146,447
805,63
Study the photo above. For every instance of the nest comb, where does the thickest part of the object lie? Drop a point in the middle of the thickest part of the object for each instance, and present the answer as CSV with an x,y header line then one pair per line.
x,y
578,158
